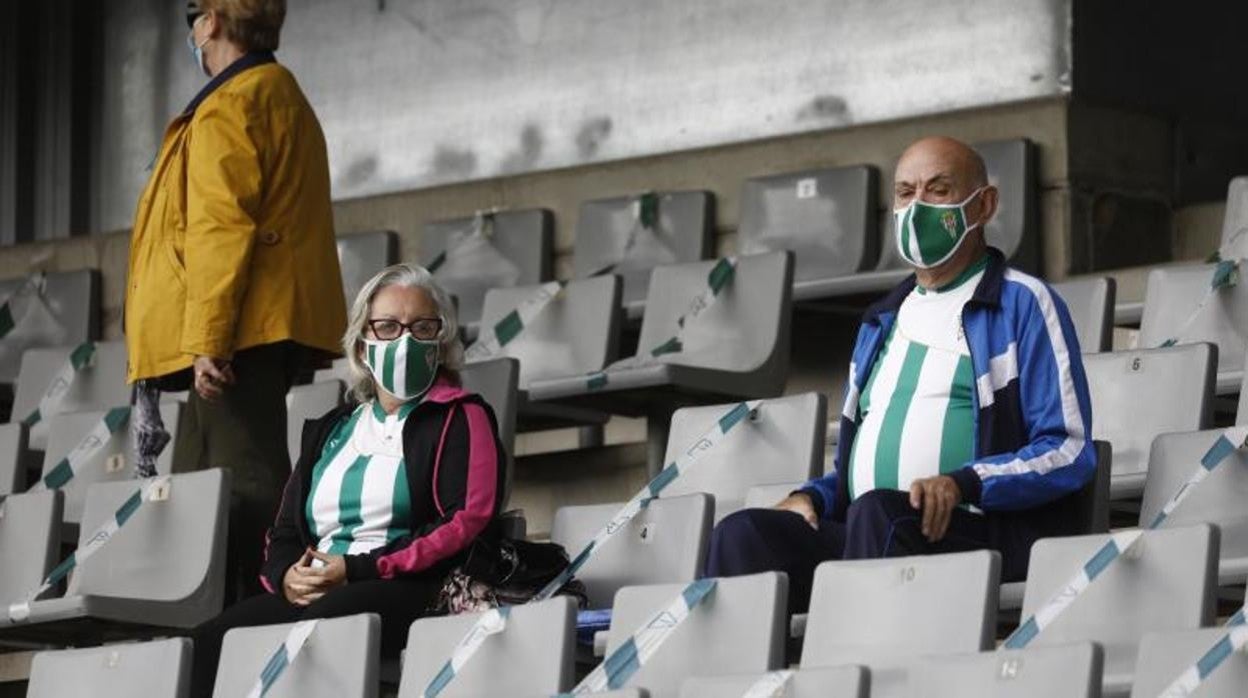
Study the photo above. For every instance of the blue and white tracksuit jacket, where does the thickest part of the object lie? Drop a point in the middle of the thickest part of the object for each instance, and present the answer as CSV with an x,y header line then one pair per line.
x,y
1033,431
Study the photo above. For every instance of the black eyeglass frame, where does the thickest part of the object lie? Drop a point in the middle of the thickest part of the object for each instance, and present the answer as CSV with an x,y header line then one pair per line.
x,y
408,328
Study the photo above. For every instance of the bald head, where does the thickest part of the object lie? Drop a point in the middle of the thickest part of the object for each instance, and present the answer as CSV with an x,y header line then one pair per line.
x,y
940,170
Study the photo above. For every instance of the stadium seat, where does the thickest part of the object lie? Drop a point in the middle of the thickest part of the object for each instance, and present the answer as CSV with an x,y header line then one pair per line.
x,y
532,656
12,458
665,543
764,496
1069,671
686,222
883,614
495,381
1141,393
782,443
157,669
738,348
1235,222
739,628
1166,583
1171,299
827,217
339,660
30,542
113,463
164,568
1221,499
307,402
98,386
1165,656
831,682
65,313
1091,305
362,255
517,252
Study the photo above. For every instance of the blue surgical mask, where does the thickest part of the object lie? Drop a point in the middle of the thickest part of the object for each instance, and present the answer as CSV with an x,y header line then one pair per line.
x,y
197,52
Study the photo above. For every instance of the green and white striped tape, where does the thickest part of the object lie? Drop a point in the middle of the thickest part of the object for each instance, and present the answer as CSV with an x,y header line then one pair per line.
x,y
1225,275
491,622
79,358
87,448
1235,640
282,657
482,226
645,217
153,490
492,342
8,318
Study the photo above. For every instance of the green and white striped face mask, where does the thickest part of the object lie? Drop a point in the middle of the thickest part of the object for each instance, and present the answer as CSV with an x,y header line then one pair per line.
x,y
404,367
929,234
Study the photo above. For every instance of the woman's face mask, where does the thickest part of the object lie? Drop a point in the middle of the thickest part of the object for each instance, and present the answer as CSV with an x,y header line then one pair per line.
x,y
929,234
404,367
197,50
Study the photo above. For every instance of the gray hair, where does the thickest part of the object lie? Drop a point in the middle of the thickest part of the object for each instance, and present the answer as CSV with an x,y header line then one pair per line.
x,y
450,348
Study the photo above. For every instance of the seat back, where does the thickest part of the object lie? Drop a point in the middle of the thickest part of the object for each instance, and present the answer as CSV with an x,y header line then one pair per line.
x,y
1164,656
1090,505
157,669
578,332
740,628
65,313
12,458
1141,393
339,660
519,253
362,255
770,494
745,331
101,385
887,612
308,402
827,217
783,442
532,656
665,542
1167,584
496,381
169,551
112,463
1171,299
1235,222
830,682
30,541
1091,306
684,233
1221,499
1071,671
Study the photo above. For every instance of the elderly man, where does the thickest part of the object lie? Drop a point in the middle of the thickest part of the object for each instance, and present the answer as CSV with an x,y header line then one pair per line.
x,y
966,424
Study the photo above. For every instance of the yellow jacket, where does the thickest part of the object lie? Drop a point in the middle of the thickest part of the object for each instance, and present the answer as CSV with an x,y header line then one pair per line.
x,y
233,243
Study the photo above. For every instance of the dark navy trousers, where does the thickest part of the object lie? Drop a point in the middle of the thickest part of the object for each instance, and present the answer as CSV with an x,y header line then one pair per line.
x,y
881,523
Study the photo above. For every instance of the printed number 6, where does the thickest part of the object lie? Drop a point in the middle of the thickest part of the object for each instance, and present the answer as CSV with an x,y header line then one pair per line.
x,y
1135,364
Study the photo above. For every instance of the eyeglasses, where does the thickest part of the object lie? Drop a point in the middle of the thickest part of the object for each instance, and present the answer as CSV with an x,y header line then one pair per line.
x,y
423,328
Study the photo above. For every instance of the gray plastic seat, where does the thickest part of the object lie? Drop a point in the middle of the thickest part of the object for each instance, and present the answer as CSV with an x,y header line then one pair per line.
x,y
770,494
99,386
886,613
30,542
1171,298
1141,393
685,233
1221,499
827,217
830,682
784,442
362,255
1168,585
1069,671
533,655
495,381
665,542
67,313
1091,305
339,660
739,628
113,463
1164,656
157,669
519,253
307,402
12,458
164,568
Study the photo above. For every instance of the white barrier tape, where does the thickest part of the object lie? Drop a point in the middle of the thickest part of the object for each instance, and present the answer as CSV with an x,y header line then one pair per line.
x,y
1226,444
492,342
1235,640
282,657
683,463
490,623
86,449
79,358
8,318
771,685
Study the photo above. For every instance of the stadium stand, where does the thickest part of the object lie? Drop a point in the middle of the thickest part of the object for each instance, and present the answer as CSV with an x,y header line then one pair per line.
x,y
339,660
1164,656
1091,305
305,402
49,310
362,255
99,384
158,669
30,537
1072,671
833,682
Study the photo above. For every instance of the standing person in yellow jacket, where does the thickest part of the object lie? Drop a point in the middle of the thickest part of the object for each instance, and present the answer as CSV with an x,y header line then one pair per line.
x,y
234,286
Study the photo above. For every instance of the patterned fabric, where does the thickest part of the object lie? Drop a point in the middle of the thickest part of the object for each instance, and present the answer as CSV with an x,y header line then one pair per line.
x,y
147,428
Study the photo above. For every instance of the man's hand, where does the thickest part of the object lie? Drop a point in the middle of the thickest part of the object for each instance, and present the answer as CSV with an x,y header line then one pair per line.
x,y
211,376
314,574
936,497
799,503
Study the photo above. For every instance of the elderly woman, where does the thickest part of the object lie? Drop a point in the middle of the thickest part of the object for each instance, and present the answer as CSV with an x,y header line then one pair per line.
x,y
233,277
391,489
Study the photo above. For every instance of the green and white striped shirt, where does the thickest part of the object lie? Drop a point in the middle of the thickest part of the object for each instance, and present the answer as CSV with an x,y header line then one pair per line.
x,y
918,418
359,498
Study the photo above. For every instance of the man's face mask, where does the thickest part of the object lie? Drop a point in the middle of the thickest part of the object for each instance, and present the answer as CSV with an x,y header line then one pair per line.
x,y
929,234
404,367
